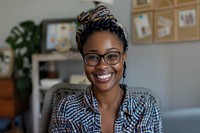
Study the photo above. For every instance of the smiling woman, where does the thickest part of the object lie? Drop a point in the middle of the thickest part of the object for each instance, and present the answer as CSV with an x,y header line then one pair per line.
x,y
106,105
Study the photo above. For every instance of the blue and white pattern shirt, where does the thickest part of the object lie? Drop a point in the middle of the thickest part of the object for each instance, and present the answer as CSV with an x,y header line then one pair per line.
x,y
80,114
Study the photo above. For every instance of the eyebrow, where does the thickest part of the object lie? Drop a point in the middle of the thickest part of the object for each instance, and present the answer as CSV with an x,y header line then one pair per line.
x,y
93,50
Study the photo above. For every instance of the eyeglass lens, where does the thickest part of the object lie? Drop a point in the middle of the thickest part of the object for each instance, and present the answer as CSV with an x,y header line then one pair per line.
x,y
110,58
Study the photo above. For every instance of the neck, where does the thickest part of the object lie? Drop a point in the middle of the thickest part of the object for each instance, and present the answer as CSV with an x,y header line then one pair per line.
x,y
112,98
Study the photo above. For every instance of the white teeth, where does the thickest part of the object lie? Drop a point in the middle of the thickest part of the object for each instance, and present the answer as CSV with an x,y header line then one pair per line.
x,y
104,76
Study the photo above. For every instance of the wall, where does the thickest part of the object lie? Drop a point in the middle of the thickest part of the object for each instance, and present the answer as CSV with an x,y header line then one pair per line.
x,y
172,70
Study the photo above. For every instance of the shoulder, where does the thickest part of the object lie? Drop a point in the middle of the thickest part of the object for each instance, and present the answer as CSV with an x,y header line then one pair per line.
x,y
143,96
141,102
71,102
67,114
148,112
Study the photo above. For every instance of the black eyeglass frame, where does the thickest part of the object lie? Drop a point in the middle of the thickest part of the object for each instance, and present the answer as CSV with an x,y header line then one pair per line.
x,y
102,56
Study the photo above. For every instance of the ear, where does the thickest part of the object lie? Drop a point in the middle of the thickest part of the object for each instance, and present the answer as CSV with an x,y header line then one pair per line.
x,y
124,56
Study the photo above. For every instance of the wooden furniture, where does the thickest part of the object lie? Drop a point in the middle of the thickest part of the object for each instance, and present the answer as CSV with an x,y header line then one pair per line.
x,y
10,102
36,59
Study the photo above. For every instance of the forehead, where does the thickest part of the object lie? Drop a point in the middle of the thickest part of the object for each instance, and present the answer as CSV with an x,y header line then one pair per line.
x,y
102,42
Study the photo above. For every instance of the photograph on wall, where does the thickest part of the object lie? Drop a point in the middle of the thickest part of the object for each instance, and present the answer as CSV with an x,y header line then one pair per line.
x,y
142,25
6,63
140,3
165,25
187,18
188,22
58,35
165,31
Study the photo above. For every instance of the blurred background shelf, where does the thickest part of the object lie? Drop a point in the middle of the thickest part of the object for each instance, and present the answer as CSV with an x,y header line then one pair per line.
x,y
37,87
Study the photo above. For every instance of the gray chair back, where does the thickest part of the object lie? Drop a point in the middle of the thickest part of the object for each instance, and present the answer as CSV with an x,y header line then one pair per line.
x,y
58,91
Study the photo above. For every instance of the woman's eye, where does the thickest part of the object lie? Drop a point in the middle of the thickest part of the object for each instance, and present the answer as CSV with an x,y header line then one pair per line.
x,y
93,57
112,56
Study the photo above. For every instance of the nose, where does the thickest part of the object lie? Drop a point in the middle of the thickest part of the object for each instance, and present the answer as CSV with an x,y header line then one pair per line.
x,y
102,64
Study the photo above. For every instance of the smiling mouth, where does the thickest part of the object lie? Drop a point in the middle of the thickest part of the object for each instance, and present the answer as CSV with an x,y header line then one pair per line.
x,y
104,76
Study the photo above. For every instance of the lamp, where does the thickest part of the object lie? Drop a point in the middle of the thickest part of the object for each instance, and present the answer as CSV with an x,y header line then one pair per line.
x,y
97,2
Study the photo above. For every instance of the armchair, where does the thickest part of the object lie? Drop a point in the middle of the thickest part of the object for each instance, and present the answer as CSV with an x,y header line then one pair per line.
x,y
56,92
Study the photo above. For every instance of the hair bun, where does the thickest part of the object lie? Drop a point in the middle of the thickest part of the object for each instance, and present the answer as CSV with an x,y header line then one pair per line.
x,y
83,17
101,12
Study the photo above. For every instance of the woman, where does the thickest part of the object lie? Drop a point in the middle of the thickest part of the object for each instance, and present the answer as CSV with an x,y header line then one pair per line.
x,y
106,106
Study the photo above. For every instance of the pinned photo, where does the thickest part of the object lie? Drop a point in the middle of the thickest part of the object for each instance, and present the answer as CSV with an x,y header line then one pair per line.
x,y
162,32
142,2
187,18
142,26
166,25
162,21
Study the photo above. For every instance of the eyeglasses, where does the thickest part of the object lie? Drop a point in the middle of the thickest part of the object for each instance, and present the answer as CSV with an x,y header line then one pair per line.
x,y
111,58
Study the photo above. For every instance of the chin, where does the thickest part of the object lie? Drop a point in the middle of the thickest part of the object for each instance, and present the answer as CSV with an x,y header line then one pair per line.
x,y
104,84
102,87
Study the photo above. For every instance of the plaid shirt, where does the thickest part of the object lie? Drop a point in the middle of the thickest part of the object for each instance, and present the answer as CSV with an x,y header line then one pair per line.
x,y
80,114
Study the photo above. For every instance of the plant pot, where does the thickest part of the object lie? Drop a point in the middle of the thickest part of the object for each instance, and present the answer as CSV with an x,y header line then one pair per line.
x,y
24,86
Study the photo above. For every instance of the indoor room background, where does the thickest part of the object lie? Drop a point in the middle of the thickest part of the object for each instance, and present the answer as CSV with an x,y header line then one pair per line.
x,y
172,70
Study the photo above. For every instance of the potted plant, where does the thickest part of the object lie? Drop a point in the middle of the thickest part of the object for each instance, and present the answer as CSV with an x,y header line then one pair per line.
x,y
24,39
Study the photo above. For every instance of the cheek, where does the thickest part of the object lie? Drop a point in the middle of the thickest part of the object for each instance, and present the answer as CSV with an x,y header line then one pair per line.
x,y
119,68
88,71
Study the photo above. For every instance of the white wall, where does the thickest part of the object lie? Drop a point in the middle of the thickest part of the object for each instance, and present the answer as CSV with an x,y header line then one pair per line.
x,y
172,70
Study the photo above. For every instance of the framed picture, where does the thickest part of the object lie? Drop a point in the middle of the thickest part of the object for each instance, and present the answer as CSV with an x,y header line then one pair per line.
x,y
58,35
142,5
6,63
165,26
142,24
188,23
186,2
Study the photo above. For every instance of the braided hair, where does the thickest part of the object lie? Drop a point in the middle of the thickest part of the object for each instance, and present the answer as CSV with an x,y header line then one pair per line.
x,y
99,19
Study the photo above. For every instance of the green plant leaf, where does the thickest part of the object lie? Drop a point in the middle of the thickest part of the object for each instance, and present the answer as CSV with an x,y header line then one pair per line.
x,y
16,33
11,41
28,25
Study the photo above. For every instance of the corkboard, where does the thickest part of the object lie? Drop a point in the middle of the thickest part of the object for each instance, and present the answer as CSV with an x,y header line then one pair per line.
x,y
185,2
165,26
163,4
187,23
142,24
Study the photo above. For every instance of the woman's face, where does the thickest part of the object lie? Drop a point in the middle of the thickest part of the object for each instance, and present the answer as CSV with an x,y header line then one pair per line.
x,y
103,76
